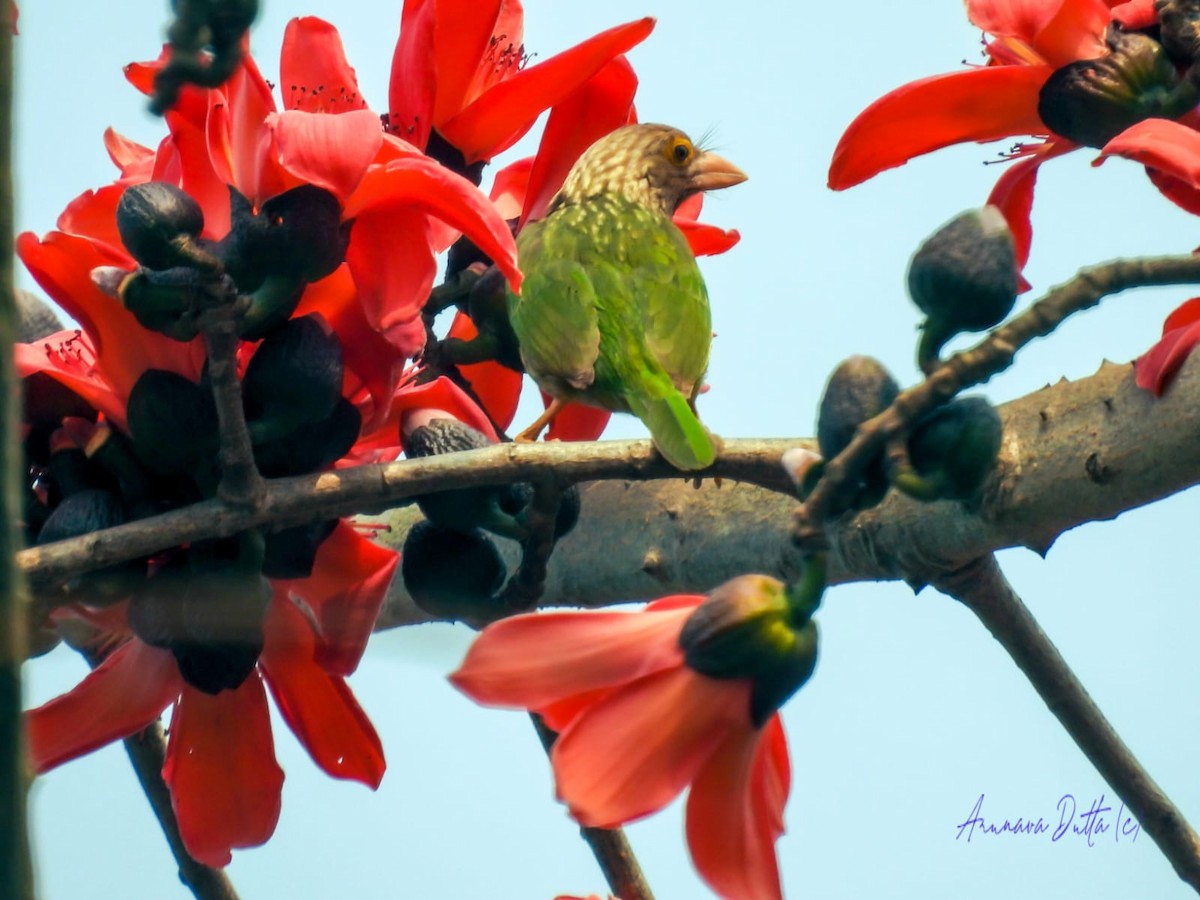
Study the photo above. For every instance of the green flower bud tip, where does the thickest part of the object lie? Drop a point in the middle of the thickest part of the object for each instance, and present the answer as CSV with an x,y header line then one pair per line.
x,y
1093,100
155,221
748,628
964,278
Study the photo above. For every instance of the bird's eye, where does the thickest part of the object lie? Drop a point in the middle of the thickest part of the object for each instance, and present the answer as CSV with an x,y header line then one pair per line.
x,y
679,150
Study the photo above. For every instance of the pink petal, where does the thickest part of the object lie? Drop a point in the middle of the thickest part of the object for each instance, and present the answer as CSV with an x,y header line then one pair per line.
x,y
1161,363
735,813
635,750
225,783
598,106
332,152
120,697
502,114
350,576
931,113
314,75
533,660
318,707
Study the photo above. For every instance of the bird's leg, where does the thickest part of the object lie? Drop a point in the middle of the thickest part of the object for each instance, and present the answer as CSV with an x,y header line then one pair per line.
x,y
530,434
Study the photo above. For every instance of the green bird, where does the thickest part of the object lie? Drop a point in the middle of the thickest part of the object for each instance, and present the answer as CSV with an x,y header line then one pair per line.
x,y
613,312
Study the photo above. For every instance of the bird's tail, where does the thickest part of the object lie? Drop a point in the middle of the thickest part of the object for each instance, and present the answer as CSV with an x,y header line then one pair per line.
x,y
676,431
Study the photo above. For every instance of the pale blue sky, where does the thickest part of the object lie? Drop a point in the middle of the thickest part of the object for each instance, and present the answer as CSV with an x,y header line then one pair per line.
x,y
914,710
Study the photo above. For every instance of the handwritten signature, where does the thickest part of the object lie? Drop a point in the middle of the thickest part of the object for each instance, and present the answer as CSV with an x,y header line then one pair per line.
x,y
1092,824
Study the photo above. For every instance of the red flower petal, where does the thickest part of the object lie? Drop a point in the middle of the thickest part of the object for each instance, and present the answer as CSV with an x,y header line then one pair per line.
x,y
935,112
468,38
93,214
1170,151
443,394
349,579
535,659
734,813
67,358
318,707
502,114
1060,31
633,752
124,153
1161,363
1013,196
597,107
314,74
1135,15
578,422
121,696
225,783
497,387
412,86
332,152
235,141
510,187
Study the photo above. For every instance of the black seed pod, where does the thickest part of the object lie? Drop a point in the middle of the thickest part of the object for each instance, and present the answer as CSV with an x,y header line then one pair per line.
x,y
859,389
294,378
953,449
452,574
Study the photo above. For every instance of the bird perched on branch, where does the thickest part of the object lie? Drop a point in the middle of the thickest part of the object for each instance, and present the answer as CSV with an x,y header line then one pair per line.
x,y
613,312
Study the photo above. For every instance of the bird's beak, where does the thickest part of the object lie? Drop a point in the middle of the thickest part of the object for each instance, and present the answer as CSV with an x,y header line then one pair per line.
x,y
711,172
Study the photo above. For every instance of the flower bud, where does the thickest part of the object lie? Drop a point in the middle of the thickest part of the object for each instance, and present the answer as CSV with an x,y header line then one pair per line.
x,y
294,378
452,575
173,423
1179,29
964,278
754,627
953,449
1091,101
155,220
859,389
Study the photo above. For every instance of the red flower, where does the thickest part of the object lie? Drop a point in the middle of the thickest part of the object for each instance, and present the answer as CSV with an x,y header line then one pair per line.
x,y
636,726
1157,368
1030,40
459,69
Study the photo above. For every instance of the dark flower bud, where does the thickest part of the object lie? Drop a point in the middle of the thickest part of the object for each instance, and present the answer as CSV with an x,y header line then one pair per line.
x,y
1091,101
964,278
452,575
570,506
85,512
270,306
298,235
166,301
294,378
208,611
173,423
156,220
487,307
1179,29
312,446
953,449
290,552
430,433
859,389
754,627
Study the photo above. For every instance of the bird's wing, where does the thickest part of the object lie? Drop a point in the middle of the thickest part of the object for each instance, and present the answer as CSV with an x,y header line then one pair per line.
x,y
555,316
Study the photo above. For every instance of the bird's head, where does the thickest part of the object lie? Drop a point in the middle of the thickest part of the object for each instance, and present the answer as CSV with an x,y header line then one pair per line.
x,y
655,165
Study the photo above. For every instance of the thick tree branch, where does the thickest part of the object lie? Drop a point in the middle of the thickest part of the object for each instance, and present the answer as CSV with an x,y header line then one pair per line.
x,y
983,589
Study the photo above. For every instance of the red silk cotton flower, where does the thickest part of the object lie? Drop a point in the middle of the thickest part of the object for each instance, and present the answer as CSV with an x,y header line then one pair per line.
x,y
638,723
1029,42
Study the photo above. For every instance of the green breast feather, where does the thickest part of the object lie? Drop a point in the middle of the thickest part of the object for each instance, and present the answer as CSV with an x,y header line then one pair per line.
x,y
613,313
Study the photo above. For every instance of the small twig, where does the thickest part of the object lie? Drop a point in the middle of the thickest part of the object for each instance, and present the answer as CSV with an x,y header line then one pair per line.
x,y
309,498
989,357
982,587
241,484
527,584
609,845
147,752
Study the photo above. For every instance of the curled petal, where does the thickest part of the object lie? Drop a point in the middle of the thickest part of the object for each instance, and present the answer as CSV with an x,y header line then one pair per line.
x,y
936,112
1161,363
349,578
121,696
1170,151
735,813
318,707
503,113
313,70
635,750
1013,196
225,783
128,156
577,422
536,659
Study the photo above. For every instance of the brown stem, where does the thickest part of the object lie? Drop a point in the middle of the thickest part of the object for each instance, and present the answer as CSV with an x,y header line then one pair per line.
x,y
989,357
16,870
241,485
609,845
526,586
982,587
147,752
